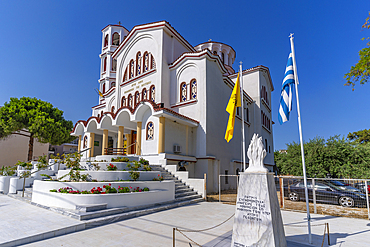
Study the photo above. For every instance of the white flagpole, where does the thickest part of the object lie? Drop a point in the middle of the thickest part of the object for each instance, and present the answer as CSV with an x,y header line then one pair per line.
x,y
242,103
301,139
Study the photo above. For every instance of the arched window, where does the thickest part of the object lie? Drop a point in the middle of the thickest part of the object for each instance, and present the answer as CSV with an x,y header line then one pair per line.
x,y
152,64
105,64
138,63
85,142
183,92
214,52
193,86
144,94
103,87
152,93
150,131
129,104
106,41
132,68
123,101
114,64
137,98
146,62
112,109
125,75
113,84
115,39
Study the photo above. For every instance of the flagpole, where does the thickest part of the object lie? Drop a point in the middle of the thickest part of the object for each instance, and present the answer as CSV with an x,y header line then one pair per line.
x,y
242,103
301,139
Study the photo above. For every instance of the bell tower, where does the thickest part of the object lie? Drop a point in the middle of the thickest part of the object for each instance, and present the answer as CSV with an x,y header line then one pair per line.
x,y
113,36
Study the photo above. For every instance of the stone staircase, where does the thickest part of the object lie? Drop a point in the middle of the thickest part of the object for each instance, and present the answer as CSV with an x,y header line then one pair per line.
x,y
182,191
95,215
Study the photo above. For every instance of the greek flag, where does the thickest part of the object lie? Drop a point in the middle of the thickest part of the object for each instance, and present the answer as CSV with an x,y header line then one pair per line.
x,y
286,92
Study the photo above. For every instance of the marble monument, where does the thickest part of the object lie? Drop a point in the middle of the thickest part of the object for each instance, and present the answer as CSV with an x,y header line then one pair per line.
x,y
257,220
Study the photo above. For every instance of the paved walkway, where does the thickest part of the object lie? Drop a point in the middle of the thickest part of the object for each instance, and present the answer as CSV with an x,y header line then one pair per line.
x,y
19,220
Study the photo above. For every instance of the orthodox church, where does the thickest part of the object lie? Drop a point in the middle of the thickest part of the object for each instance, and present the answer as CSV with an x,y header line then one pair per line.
x,y
164,100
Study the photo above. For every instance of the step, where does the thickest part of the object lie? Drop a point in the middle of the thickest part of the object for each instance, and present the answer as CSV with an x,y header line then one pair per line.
x,y
26,193
127,215
180,186
183,190
187,193
190,197
91,207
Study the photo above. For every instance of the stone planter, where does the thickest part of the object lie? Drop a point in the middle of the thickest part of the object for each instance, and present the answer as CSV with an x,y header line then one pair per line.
x,y
159,192
113,175
4,184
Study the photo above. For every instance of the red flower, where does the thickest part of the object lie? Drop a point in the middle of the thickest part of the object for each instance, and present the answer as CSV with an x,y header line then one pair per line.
x,y
110,184
104,186
103,192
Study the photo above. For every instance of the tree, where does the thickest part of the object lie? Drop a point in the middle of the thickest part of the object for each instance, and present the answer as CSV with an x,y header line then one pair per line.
x,y
337,156
360,137
43,122
361,71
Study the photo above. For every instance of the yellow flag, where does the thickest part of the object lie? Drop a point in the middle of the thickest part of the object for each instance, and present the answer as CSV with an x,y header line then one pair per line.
x,y
234,102
100,94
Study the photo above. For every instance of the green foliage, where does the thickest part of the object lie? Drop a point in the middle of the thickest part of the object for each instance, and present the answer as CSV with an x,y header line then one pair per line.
x,y
42,162
134,175
47,176
134,166
111,167
27,166
123,189
159,178
359,137
109,189
8,171
39,118
337,156
360,72
72,161
144,162
96,166
55,157
120,159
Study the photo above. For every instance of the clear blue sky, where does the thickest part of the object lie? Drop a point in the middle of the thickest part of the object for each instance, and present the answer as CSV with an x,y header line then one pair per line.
x,y
50,50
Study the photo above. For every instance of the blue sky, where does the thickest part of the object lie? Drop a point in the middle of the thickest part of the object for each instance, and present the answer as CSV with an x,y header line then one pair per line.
x,y
50,50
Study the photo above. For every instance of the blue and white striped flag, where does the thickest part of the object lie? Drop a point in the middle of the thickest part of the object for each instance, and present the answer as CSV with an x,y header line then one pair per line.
x,y
286,92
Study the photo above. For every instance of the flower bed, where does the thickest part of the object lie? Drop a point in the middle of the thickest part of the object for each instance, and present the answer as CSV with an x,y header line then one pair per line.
x,y
114,175
158,192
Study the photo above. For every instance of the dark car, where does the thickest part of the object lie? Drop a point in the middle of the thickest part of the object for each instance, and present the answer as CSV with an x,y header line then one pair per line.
x,y
327,193
361,186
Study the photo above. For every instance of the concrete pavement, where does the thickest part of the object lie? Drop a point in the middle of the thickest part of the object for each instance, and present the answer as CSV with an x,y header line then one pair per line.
x,y
20,220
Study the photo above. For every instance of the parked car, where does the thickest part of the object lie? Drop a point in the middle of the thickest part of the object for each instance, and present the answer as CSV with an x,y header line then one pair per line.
x,y
361,186
342,185
327,193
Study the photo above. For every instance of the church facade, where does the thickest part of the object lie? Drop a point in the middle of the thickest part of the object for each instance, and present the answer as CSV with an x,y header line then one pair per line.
x,y
164,100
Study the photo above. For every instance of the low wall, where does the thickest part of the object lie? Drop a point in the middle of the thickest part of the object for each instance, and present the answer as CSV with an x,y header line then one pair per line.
x,y
113,175
160,191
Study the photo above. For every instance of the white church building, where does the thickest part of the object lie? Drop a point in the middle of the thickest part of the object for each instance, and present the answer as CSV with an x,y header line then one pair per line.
x,y
164,100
